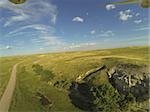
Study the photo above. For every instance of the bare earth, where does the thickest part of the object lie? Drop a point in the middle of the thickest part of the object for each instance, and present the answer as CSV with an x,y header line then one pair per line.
x,y
7,96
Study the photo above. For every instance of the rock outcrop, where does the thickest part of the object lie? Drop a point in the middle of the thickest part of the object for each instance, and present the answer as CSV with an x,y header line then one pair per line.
x,y
129,78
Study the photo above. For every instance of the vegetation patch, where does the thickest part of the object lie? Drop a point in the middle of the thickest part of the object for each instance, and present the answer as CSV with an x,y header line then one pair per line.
x,y
114,96
44,100
44,74
63,80
103,98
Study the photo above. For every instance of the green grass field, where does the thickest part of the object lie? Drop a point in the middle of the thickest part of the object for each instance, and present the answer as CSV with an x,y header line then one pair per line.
x,y
65,66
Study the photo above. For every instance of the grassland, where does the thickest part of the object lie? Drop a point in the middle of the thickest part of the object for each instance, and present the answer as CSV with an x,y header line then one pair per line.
x,y
6,65
66,66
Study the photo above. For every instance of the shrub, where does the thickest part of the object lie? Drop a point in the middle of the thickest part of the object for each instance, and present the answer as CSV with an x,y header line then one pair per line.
x,y
46,75
107,99
38,69
23,69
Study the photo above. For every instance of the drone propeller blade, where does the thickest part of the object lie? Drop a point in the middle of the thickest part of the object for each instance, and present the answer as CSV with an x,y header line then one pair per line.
x,y
18,1
125,2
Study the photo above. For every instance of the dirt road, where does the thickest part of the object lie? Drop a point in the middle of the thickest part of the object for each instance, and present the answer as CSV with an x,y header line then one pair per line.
x,y
8,93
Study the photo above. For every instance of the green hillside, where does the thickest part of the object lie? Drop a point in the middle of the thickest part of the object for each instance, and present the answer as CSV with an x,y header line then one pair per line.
x,y
43,80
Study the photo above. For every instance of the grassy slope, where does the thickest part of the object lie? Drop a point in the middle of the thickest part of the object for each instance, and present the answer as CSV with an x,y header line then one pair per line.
x,y
6,65
67,66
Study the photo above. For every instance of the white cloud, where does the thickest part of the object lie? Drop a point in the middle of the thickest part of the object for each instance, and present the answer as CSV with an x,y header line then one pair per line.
x,y
18,12
44,9
30,20
29,11
142,29
78,19
137,14
79,46
138,21
93,32
6,47
44,37
125,15
13,19
40,27
54,19
128,11
108,33
41,48
52,41
110,7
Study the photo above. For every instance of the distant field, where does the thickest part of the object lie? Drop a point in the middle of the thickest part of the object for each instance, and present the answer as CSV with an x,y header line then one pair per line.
x,y
65,66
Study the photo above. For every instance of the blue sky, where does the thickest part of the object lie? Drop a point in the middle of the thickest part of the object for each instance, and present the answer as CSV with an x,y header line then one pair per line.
x,y
40,26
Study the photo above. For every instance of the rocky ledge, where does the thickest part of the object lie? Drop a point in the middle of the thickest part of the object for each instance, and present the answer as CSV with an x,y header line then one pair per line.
x,y
130,78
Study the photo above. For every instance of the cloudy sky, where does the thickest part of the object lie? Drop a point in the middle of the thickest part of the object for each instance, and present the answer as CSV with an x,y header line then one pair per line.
x,y
40,26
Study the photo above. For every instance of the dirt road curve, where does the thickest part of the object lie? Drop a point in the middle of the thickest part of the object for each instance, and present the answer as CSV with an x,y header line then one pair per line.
x,y
7,96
